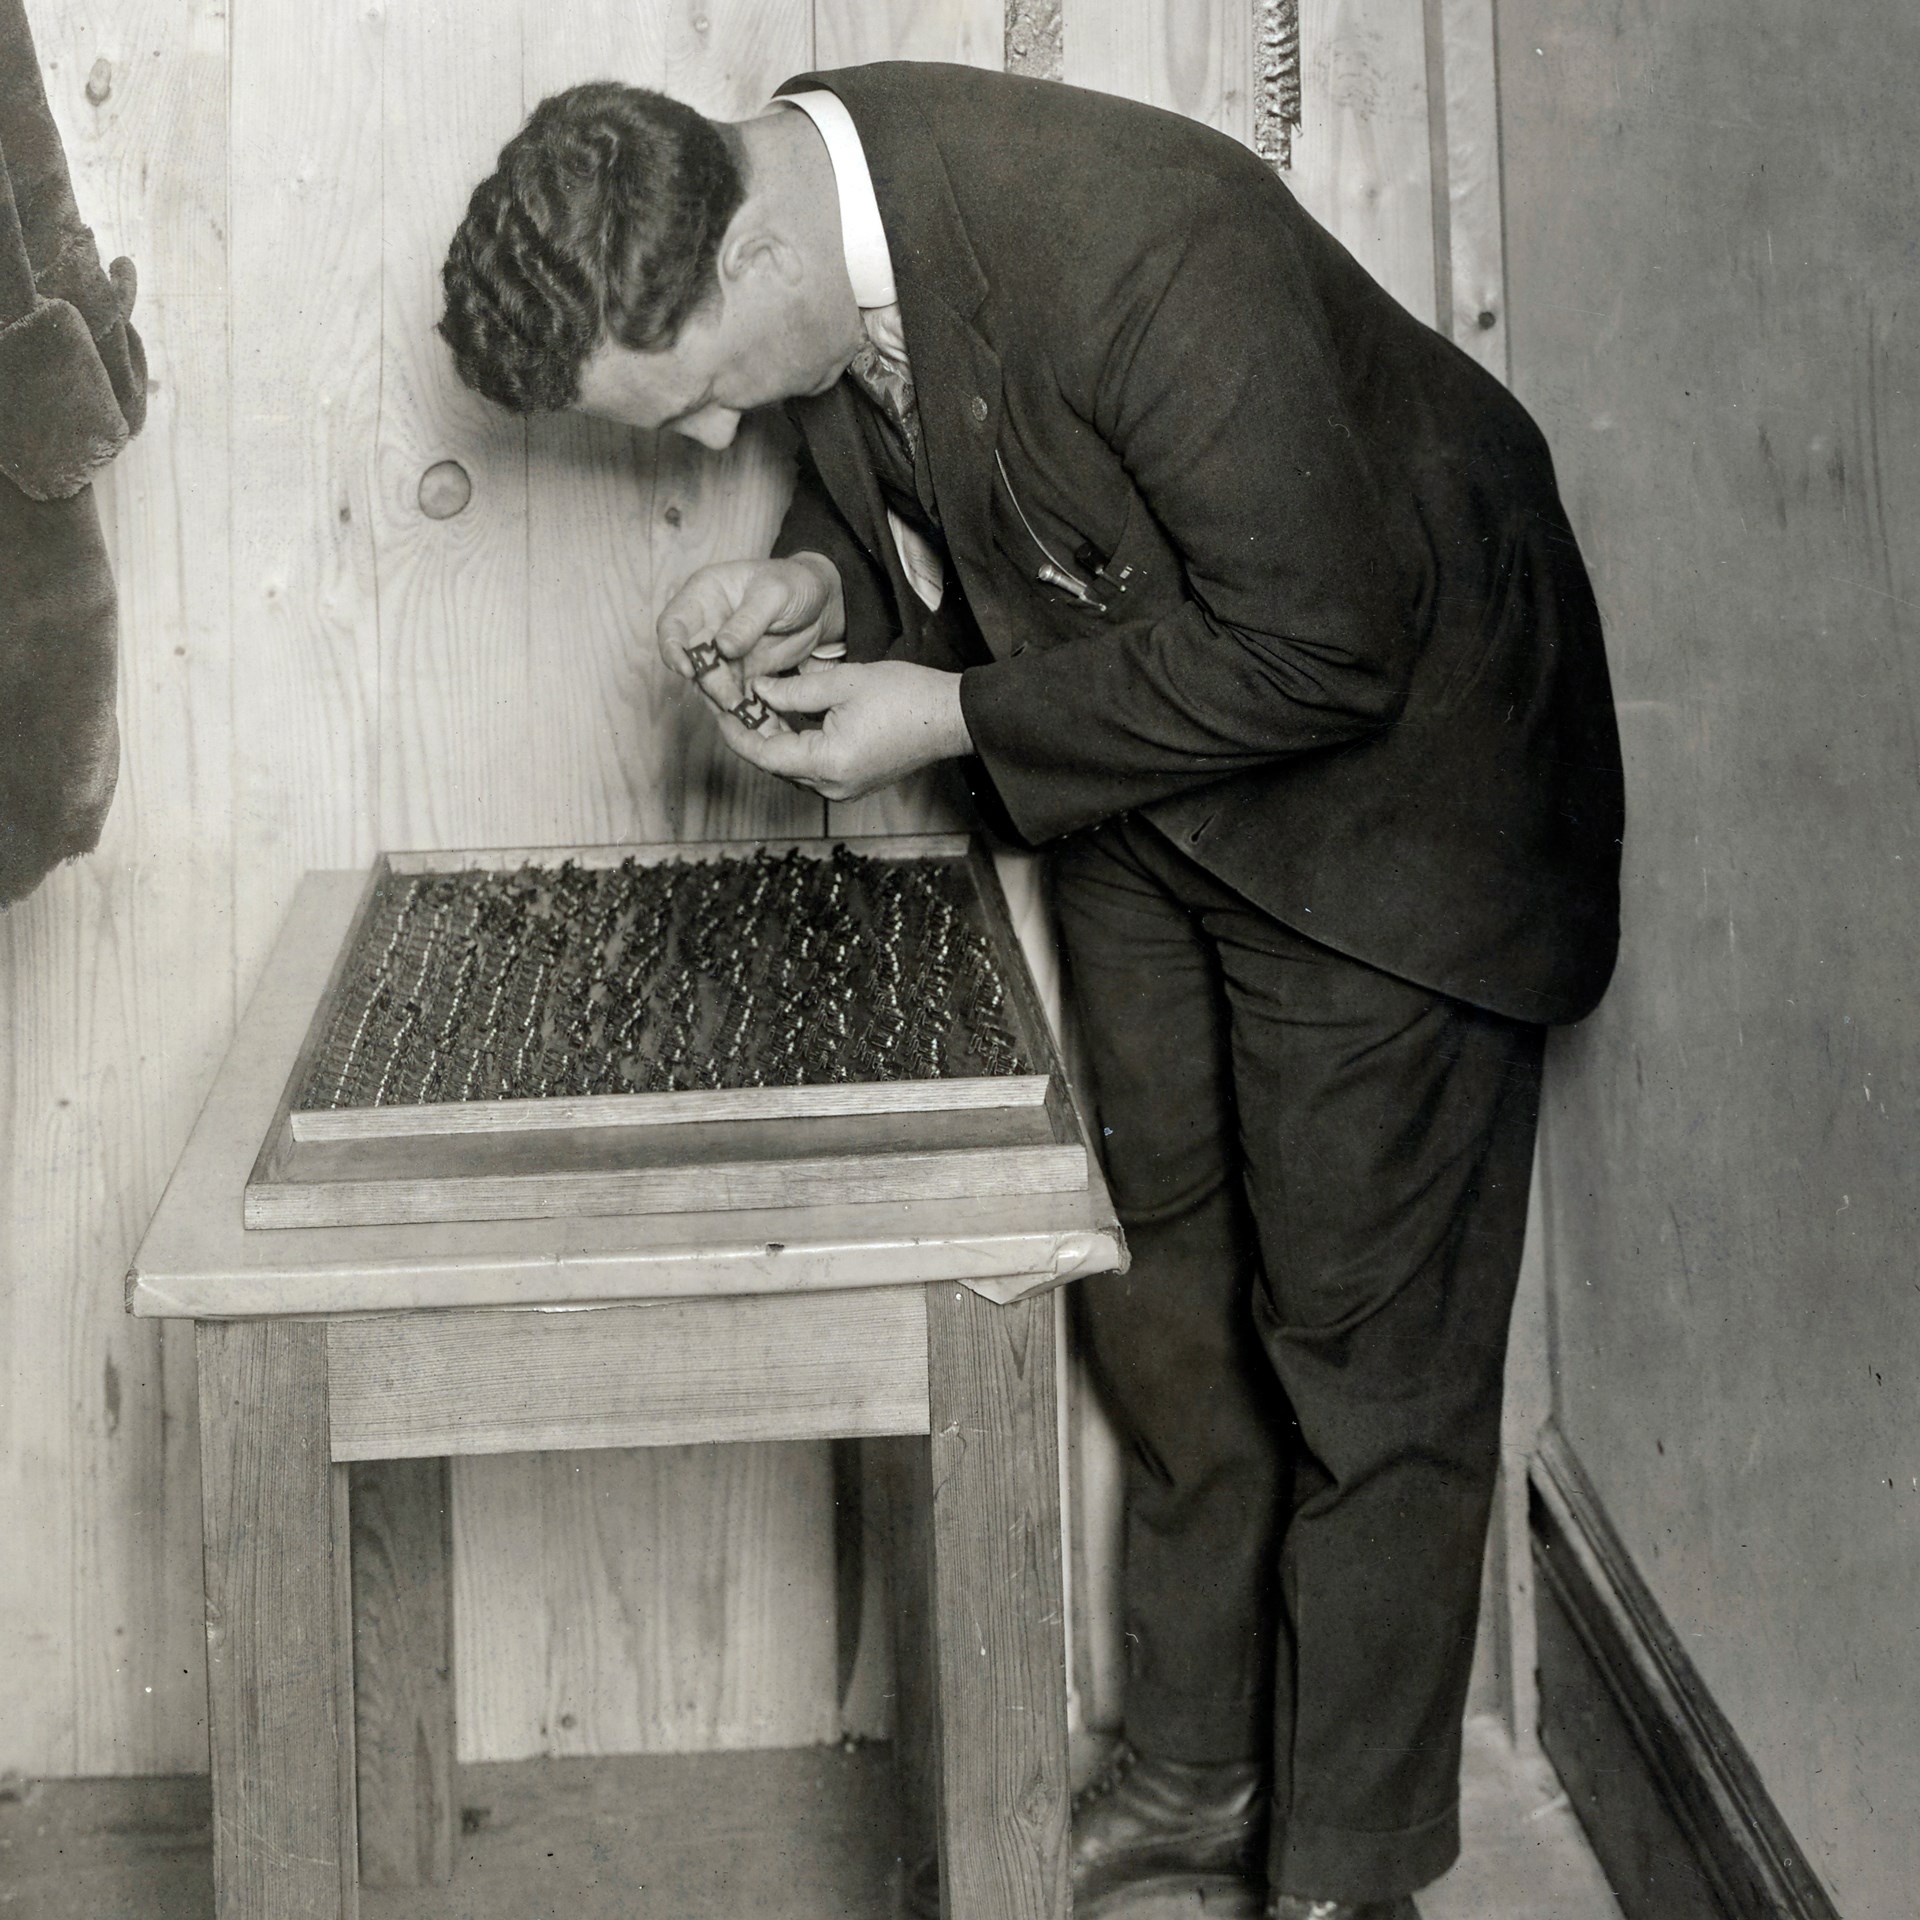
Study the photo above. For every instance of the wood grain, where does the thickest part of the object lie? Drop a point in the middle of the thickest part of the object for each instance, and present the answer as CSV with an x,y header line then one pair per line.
x,y
1190,56
665,1599
778,1367
303,423
998,1608
279,1648
970,33
402,1626
466,747
1361,161
116,975
1475,307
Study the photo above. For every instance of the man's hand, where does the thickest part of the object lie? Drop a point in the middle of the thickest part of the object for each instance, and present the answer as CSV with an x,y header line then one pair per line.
x,y
762,617
878,724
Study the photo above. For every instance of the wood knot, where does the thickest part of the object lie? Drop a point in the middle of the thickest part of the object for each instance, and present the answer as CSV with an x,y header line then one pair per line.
x,y
100,83
445,490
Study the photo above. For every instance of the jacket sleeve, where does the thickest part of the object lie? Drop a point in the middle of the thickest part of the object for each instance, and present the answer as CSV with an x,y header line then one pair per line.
x,y
1219,391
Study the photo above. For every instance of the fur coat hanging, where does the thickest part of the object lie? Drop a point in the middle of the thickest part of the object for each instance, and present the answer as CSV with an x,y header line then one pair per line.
x,y
72,390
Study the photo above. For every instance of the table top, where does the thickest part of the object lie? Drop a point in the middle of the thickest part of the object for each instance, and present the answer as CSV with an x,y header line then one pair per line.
x,y
199,1261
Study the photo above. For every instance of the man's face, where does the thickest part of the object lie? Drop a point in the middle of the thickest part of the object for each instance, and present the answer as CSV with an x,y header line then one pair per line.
x,y
753,347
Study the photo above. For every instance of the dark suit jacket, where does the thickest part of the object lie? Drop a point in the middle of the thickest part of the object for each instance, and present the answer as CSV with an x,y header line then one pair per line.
x,y
1356,668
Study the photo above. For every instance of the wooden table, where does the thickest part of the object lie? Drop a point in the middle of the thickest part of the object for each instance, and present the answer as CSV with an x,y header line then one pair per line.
x,y
321,1347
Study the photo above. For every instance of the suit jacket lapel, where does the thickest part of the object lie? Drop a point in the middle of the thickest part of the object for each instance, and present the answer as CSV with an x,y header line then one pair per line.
x,y
956,372
833,439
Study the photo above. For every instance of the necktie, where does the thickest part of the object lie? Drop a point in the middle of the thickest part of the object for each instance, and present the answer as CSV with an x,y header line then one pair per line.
x,y
888,384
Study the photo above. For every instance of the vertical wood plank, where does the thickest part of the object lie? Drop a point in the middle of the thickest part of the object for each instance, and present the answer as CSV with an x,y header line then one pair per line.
x,y
403,1705
278,1655
665,1599
466,723
1476,251
970,33
999,1626
1190,56
1361,163
116,975
305,323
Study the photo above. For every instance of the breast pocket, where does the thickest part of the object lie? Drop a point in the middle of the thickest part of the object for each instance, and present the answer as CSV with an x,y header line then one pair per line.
x,y
1071,573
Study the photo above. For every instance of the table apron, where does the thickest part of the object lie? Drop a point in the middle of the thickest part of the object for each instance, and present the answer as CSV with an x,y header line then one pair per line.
x,y
667,1373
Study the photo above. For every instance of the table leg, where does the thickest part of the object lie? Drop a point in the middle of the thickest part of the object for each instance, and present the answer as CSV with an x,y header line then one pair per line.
x,y
403,1671
279,1635
999,1626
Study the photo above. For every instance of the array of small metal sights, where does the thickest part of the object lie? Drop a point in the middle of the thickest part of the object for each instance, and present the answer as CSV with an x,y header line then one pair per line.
x,y
758,969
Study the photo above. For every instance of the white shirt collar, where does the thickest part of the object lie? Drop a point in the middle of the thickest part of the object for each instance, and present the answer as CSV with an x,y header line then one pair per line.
x,y
869,264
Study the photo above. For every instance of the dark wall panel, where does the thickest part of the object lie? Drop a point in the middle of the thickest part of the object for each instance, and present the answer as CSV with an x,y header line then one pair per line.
x,y
1715,306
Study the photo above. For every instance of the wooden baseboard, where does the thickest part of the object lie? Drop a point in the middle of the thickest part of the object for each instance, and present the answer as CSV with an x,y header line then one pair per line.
x,y
1675,1810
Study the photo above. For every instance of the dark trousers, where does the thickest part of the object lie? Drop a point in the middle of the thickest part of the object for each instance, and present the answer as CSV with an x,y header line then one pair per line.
x,y
1322,1171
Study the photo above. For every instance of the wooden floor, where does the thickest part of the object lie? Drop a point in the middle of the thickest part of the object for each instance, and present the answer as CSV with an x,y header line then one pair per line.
x,y
797,1835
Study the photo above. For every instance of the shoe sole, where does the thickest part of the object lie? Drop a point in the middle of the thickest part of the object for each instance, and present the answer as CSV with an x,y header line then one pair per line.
x,y
1176,1896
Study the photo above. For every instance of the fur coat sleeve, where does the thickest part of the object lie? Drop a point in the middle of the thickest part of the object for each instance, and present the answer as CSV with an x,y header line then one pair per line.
x,y
72,391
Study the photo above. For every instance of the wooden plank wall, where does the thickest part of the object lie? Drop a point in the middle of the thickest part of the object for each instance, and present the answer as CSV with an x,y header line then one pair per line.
x,y
117,977
314,667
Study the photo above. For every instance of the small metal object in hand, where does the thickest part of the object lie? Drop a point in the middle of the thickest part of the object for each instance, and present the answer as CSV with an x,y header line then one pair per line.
x,y
703,656
753,711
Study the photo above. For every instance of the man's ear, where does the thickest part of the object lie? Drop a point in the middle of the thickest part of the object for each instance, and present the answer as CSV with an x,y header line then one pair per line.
x,y
751,250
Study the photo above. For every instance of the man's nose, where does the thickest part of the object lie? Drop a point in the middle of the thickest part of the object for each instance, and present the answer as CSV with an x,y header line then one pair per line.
x,y
712,427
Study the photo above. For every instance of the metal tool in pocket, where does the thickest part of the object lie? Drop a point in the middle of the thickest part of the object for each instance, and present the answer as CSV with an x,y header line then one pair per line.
x,y
1055,573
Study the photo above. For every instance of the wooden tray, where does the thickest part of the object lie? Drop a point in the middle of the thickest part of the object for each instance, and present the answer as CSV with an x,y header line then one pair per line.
x,y
680,1152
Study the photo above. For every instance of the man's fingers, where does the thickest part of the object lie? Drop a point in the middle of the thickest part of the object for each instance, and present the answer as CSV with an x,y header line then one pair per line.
x,y
688,618
762,606
814,691
790,756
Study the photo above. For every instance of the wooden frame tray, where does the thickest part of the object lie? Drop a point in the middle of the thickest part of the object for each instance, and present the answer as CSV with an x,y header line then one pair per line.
x,y
708,1150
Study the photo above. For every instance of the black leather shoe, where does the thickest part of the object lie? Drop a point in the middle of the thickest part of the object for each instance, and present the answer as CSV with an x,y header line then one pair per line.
x,y
1146,1828
1294,1906
1149,1825
920,1893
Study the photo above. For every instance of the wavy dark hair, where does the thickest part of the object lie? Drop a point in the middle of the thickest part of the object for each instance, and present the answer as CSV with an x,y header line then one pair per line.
x,y
602,219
